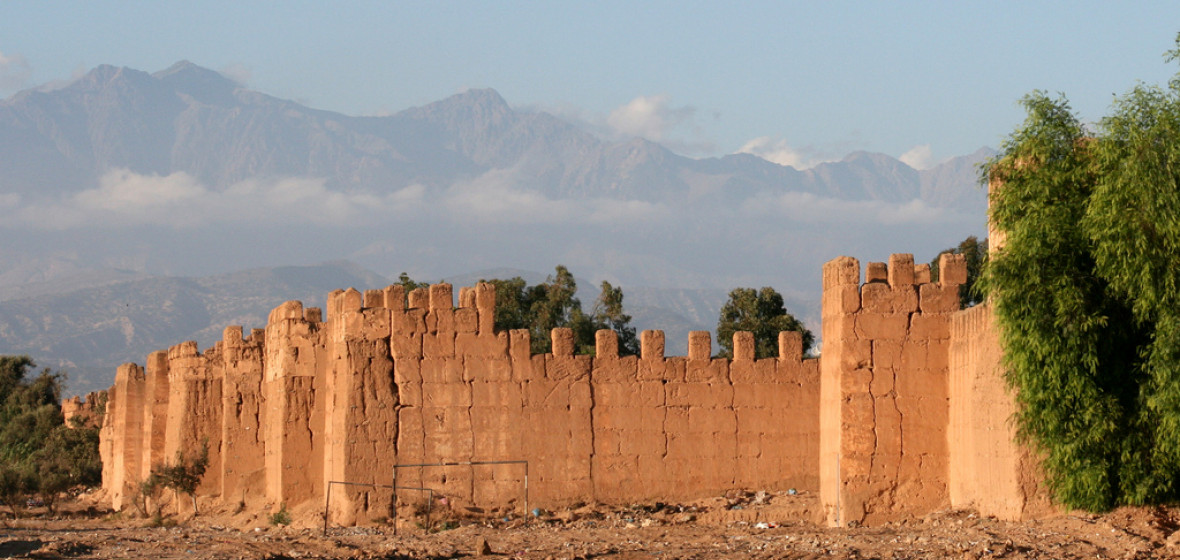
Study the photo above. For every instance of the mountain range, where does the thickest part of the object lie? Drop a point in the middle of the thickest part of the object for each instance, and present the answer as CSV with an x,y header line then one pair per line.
x,y
193,120
143,209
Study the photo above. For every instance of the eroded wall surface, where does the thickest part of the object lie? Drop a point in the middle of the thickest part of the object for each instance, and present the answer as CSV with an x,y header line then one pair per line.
x,y
386,378
884,397
988,471
84,412
906,413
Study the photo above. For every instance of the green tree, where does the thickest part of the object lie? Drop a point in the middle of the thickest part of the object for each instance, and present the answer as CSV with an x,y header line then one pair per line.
x,y
40,454
16,483
540,308
1087,292
975,253
182,476
512,303
409,283
1133,223
761,312
1069,343
553,304
608,314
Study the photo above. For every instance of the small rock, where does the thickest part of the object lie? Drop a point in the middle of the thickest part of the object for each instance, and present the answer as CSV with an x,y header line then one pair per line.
x,y
482,548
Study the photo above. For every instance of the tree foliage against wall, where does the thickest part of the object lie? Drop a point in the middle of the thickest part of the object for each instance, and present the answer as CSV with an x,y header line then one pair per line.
x,y
974,252
552,304
182,476
761,312
1087,293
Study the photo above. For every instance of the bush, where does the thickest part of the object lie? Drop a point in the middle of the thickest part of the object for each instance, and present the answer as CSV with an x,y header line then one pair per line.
x,y
281,517
39,454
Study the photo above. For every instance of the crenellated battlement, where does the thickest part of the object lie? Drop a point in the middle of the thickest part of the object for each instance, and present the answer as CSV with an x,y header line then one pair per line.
x,y
884,400
386,377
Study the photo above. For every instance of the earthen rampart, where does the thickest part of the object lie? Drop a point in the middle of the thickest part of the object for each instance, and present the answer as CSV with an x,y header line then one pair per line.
x,y
84,412
372,382
883,385
987,470
905,413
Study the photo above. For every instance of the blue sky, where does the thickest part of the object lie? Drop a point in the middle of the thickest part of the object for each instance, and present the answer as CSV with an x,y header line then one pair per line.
x,y
796,82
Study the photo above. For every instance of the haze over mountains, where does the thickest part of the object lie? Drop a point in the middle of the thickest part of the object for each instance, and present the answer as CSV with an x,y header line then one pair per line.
x,y
155,190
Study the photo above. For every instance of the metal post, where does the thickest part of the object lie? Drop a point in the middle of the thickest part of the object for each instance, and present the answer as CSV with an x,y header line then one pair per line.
x,y
328,497
327,501
394,502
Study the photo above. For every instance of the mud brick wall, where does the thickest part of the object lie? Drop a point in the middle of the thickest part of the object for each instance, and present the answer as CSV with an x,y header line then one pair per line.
x,y
155,411
121,438
292,414
84,412
387,378
884,395
194,408
243,463
987,470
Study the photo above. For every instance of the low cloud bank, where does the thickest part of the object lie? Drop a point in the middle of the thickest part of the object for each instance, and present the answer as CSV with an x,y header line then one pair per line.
x,y
778,150
126,199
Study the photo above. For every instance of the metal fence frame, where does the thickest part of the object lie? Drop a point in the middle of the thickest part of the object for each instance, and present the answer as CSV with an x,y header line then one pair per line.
x,y
472,464
328,499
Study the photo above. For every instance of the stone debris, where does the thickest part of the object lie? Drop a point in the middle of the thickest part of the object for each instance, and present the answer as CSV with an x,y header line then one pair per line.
x,y
602,531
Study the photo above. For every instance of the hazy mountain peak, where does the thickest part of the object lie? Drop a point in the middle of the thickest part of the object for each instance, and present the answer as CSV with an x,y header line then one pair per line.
x,y
104,74
484,97
478,106
862,156
185,70
202,84
982,154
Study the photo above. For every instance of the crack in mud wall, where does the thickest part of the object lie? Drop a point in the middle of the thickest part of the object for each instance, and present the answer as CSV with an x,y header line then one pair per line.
x,y
884,390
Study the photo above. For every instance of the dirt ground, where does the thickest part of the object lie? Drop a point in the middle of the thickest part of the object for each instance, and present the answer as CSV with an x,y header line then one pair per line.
x,y
744,525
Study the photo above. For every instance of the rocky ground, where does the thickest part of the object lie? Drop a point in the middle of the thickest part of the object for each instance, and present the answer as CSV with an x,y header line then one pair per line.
x,y
742,526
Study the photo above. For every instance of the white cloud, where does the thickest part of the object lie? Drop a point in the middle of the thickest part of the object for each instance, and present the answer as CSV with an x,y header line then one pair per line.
x,y
649,117
124,198
14,71
239,73
494,197
810,208
122,191
179,200
919,157
780,152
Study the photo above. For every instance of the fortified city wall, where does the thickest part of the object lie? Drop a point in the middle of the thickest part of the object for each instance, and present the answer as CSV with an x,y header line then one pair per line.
x,y
905,413
347,394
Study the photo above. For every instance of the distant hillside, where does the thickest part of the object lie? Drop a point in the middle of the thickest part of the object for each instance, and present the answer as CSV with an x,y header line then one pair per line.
x,y
90,331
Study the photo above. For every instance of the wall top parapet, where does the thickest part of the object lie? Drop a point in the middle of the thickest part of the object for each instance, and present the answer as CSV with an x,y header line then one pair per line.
x,y
899,271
